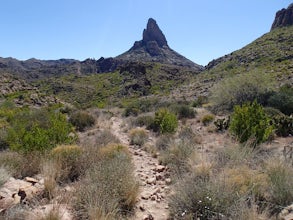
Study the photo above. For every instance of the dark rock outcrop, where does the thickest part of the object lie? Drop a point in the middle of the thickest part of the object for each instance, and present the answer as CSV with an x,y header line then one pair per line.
x,y
154,33
283,17
154,48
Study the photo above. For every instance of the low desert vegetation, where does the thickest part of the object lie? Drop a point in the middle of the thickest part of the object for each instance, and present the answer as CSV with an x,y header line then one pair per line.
x,y
81,120
111,189
242,88
138,136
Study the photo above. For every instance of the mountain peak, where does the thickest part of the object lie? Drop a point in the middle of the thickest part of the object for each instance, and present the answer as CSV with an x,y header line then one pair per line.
x,y
154,33
283,17
154,48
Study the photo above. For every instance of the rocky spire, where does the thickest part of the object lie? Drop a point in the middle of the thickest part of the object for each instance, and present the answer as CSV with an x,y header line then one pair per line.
x,y
153,33
283,17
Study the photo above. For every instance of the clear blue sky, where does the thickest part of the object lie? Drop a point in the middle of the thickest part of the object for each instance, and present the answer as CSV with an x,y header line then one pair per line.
x,y
201,30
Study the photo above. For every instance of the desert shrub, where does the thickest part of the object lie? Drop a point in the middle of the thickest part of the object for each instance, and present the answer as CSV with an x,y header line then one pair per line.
x,y
201,198
130,111
138,136
186,134
164,142
81,120
207,119
240,89
3,139
176,157
283,100
216,196
280,183
4,175
38,130
51,170
200,101
144,120
109,189
165,121
105,137
250,121
184,111
283,125
68,158
231,156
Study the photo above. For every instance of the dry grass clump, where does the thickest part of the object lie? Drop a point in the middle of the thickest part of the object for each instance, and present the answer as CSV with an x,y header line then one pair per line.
x,y
4,175
207,119
51,171
67,158
280,175
21,165
177,157
109,189
105,137
138,136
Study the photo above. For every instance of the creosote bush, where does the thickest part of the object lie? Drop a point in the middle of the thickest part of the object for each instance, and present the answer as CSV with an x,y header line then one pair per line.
x,y
250,121
184,111
138,136
81,120
240,89
283,99
165,121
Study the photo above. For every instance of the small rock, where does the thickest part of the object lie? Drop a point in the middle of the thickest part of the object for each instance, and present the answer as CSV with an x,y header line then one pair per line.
x,y
160,168
151,181
148,217
168,181
159,176
31,180
141,208
153,197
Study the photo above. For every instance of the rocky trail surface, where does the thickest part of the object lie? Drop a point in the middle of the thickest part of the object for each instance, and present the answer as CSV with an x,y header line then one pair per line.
x,y
153,179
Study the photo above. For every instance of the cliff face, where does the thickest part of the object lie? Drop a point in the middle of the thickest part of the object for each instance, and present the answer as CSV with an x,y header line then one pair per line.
x,y
283,18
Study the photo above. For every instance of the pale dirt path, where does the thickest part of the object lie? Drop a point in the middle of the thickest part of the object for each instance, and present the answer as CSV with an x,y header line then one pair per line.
x,y
152,178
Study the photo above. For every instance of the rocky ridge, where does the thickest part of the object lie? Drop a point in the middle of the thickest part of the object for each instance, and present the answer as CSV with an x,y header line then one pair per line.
x,y
283,17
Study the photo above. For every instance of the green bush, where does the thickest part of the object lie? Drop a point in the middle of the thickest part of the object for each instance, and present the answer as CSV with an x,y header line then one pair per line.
x,y
39,130
165,121
250,121
81,120
283,100
240,89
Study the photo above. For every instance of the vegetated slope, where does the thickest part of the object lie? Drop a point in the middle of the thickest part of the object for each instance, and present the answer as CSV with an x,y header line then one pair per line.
x,y
132,80
272,53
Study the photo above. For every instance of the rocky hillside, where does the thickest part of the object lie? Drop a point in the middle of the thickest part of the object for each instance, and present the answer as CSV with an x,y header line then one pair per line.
x,y
273,52
154,48
22,93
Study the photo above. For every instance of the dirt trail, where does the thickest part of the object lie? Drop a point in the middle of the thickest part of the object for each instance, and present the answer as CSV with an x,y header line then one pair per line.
x,y
153,179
